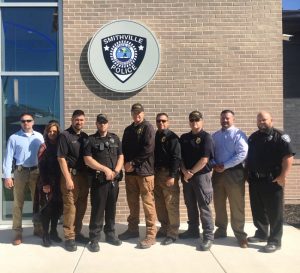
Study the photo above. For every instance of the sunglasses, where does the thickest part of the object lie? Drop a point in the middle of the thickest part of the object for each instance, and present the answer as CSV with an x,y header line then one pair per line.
x,y
194,119
161,120
26,120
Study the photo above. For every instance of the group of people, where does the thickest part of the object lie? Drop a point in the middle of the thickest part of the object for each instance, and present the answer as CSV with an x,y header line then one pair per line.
x,y
61,167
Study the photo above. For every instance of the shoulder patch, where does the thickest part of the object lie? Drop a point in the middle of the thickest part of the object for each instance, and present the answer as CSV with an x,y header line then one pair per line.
x,y
286,138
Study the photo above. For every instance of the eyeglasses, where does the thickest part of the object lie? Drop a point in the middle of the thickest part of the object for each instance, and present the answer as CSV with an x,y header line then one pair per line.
x,y
26,120
194,119
161,120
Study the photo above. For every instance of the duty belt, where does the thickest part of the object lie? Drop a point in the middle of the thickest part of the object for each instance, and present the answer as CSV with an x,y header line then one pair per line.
x,y
73,171
21,167
260,174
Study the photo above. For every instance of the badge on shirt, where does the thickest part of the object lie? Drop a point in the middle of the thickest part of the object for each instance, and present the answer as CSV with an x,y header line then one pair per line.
x,y
198,140
139,131
163,139
286,138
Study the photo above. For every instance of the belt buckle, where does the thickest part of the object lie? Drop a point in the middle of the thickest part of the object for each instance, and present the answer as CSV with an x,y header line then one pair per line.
x,y
73,172
19,168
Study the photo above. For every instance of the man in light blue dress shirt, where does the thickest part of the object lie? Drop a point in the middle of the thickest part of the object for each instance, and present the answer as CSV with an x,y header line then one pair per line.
x,y
22,147
230,147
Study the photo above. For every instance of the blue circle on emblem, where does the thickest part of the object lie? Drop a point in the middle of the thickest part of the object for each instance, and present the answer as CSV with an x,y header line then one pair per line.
x,y
123,54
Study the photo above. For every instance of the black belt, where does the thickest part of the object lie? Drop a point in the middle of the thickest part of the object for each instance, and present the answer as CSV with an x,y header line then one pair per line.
x,y
161,168
20,168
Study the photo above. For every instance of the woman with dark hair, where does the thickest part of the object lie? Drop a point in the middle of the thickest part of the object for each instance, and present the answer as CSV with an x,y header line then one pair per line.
x,y
50,201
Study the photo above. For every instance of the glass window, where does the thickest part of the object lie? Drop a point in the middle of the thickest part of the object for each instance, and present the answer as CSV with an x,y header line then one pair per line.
x,y
30,39
37,95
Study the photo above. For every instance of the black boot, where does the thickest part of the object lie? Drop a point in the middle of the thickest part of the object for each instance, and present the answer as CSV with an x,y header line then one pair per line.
x,y
46,240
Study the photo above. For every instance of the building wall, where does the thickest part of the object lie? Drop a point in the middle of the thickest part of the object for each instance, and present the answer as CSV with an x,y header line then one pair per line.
x,y
215,54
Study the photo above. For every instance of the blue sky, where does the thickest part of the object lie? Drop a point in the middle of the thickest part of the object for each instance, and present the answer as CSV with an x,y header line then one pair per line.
x,y
290,4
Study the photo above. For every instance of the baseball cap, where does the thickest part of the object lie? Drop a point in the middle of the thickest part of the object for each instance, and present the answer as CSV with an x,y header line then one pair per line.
x,y
137,107
195,115
102,118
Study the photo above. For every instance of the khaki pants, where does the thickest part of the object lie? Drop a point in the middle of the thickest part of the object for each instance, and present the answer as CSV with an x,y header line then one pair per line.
x,y
230,184
22,180
75,203
143,186
167,203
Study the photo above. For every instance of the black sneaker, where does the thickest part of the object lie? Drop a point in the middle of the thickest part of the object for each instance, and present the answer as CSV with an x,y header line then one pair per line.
x,y
128,235
79,238
54,236
70,245
94,246
112,239
189,234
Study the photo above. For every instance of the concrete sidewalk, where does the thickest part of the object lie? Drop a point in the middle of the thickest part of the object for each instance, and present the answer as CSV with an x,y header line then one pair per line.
x,y
181,257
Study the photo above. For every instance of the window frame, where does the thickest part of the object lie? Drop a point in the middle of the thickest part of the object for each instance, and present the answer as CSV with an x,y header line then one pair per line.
x,y
59,73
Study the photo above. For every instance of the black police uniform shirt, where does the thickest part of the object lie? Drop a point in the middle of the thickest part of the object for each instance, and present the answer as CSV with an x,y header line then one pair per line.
x,y
71,146
194,147
167,152
266,151
138,147
104,150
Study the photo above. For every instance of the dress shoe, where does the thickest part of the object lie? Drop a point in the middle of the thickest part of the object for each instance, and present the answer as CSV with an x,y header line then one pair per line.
x,y
113,240
94,246
17,239
189,234
128,235
161,234
220,234
46,240
146,243
70,245
79,238
270,248
255,239
205,245
54,236
168,241
243,243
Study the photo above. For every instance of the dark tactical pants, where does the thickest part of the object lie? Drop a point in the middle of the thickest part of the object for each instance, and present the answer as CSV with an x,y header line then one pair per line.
x,y
198,194
103,201
266,199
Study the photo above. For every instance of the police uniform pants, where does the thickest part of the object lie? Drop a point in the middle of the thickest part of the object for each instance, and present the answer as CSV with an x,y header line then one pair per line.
x,y
198,193
143,186
167,203
266,199
75,203
22,179
230,184
103,200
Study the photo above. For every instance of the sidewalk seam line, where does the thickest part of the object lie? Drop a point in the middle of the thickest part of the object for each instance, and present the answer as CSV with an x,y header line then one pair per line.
x,y
218,261
78,260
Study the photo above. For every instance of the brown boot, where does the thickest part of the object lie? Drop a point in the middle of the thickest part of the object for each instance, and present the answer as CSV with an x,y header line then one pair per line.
x,y
146,243
17,239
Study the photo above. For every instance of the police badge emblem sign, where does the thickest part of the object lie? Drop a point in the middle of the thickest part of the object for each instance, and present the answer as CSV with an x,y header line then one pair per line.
x,y
124,56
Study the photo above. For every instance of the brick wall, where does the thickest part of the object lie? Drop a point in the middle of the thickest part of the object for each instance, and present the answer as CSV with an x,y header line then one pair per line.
x,y
214,55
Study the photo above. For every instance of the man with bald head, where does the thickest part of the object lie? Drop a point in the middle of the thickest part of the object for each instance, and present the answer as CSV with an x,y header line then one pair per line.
x,y
270,158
